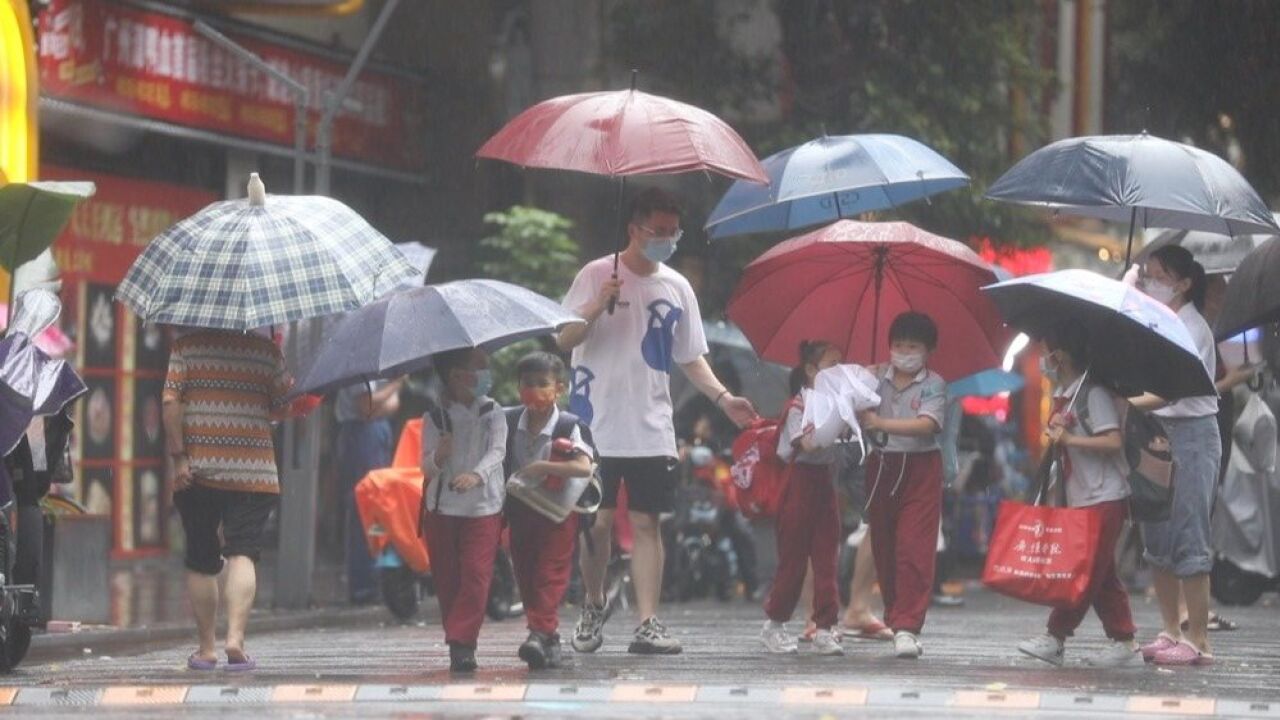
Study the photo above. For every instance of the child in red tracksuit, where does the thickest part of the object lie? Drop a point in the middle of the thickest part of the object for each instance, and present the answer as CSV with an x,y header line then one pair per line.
x,y
1085,431
905,472
542,549
808,522
463,445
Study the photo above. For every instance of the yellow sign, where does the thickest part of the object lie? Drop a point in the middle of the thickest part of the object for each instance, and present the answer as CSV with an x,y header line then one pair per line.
x,y
19,150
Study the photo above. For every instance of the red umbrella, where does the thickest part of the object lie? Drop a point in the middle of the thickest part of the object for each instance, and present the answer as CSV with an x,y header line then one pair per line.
x,y
846,282
623,133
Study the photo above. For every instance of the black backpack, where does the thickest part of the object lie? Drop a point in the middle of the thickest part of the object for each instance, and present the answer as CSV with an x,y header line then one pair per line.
x,y
565,424
1147,457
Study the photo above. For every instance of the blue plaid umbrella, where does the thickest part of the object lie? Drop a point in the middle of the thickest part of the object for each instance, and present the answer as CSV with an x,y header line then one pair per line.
x,y
244,264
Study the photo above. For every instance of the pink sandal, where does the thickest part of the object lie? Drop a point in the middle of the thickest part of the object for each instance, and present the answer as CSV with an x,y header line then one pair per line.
x,y
1183,654
1163,641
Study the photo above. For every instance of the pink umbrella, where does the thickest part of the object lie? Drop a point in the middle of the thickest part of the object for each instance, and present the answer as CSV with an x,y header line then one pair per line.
x,y
846,282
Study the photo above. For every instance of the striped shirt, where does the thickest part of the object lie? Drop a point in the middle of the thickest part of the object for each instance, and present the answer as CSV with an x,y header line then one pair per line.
x,y
228,384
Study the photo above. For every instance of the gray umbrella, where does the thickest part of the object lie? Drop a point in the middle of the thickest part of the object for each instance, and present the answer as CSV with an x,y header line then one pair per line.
x,y
399,333
1219,254
1143,180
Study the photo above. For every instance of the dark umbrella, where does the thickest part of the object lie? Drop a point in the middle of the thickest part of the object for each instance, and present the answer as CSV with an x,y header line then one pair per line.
x,y
1253,293
1218,254
1137,344
1143,180
399,333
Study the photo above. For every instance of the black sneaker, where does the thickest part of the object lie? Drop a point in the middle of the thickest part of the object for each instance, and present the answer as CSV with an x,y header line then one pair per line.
x,y
534,651
555,652
652,638
462,659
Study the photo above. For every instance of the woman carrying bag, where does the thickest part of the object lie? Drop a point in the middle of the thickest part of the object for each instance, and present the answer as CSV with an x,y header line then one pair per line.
x,y
1085,434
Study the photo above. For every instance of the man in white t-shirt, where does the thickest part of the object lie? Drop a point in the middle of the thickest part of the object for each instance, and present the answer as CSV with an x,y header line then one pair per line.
x,y
622,362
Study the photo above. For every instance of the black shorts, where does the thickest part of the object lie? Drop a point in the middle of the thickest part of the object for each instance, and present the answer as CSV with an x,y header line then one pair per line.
x,y
651,483
241,515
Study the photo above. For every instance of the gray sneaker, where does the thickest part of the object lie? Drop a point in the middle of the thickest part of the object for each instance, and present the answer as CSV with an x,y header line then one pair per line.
x,y
777,640
588,636
1116,655
652,638
906,645
1043,647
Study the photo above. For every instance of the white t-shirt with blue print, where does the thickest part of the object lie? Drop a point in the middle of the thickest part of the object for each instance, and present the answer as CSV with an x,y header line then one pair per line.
x,y
621,383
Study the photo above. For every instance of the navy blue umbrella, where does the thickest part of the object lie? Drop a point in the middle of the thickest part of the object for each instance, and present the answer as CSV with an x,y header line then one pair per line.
x,y
1136,344
831,178
1143,180
399,333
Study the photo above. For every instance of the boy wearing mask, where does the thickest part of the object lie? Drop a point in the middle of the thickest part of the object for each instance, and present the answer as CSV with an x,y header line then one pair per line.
x,y
542,549
906,477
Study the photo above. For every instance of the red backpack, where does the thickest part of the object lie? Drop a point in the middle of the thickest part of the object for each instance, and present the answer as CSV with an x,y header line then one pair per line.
x,y
758,474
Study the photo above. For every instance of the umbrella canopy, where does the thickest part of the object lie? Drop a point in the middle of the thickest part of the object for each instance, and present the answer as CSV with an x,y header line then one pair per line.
x,y
1143,180
244,264
1253,293
31,216
736,363
831,178
622,133
1136,344
1219,254
399,333
845,284
986,384
31,382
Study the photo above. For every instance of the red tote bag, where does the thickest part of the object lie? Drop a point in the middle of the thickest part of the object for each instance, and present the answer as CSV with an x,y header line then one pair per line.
x,y
1042,554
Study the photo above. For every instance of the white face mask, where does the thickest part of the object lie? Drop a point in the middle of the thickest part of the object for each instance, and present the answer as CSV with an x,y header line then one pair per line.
x,y
909,363
1159,291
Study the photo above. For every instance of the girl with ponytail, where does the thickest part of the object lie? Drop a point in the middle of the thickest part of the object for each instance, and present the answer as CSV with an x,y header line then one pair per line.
x,y
808,521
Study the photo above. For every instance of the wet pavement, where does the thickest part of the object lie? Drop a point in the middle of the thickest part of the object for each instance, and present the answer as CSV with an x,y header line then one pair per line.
x,y
970,668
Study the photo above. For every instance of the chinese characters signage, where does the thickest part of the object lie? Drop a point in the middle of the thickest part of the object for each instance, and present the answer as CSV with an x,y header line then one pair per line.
x,y
156,65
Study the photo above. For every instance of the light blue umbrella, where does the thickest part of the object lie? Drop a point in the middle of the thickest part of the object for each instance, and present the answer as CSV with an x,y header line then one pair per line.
x,y
831,178
985,384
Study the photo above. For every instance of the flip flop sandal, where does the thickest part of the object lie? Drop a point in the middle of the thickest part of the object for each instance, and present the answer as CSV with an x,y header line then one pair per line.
x,y
196,663
245,664
1217,623
870,631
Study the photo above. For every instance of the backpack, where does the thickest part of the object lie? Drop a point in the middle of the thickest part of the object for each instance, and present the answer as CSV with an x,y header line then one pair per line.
x,y
555,504
1147,457
440,418
759,475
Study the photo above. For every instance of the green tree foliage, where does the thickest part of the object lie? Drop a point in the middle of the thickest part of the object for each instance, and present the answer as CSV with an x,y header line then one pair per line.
x,y
532,248
1204,72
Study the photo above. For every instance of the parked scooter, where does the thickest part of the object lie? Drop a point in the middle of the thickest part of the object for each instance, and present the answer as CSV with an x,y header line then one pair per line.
x,y
35,431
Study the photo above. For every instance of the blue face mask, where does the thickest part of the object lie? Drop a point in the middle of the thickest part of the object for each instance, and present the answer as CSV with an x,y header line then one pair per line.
x,y
483,383
660,250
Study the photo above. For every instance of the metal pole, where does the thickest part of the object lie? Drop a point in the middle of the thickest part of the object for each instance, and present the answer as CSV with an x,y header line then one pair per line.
x,y
298,90
331,102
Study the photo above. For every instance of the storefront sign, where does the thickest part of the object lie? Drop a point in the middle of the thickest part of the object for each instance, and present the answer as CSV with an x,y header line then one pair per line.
x,y
110,229
117,56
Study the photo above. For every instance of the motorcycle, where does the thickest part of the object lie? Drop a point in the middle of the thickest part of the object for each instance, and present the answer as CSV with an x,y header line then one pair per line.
x,y
35,433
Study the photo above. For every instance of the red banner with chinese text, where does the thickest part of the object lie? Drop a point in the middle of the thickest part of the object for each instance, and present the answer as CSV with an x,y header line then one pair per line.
x,y
156,65
109,230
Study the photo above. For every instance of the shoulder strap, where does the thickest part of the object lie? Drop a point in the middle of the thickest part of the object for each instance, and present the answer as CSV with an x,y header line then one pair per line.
x,y
513,424
565,425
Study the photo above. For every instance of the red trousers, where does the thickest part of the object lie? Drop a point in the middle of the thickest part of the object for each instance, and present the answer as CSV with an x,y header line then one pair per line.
x,y
462,551
905,509
1106,594
542,552
808,527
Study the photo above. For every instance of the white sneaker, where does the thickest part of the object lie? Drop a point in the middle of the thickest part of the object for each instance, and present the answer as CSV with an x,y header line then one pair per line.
x,y
777,640
906,645
1116,655
826,642
1043,647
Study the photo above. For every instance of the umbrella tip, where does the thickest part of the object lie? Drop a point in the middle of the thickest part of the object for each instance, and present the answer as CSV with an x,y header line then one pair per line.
x,y
257,191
